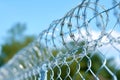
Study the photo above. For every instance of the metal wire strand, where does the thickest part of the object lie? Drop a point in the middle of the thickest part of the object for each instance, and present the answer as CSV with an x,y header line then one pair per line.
x,y
66,50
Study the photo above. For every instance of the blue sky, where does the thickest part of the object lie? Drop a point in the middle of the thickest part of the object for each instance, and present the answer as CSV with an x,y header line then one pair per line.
x,y
37,14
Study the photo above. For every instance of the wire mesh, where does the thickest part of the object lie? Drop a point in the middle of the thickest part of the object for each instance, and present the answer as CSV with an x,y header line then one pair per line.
x,y
73,47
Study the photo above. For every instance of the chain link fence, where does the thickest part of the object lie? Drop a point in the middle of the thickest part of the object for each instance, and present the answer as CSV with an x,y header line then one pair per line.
x,y
76,47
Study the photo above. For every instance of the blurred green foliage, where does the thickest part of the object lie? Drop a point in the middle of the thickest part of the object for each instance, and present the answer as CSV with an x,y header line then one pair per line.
x,y
79,66
15,41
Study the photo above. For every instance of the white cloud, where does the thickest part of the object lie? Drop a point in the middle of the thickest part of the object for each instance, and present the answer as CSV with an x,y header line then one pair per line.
x,y
116,61
83,35
107,49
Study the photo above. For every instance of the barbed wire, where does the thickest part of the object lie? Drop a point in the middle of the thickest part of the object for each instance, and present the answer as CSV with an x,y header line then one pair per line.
x,y
67,49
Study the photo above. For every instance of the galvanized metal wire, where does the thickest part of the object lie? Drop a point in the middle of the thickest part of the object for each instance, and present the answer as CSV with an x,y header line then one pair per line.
x,y
66,50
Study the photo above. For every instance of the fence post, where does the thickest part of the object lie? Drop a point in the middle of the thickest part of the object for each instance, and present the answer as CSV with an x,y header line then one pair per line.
x,y
43,72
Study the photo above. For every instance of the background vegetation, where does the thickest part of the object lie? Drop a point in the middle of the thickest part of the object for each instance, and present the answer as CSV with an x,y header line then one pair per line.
x,y
16,40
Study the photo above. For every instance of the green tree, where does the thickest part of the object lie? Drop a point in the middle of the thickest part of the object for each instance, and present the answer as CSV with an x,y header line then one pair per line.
x,y
82,64
15,41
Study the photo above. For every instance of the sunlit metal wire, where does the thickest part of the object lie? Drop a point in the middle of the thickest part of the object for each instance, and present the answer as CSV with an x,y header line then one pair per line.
x,y
65,50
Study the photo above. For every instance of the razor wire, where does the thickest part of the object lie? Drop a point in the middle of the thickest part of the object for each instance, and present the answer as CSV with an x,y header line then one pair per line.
x,y
66,50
